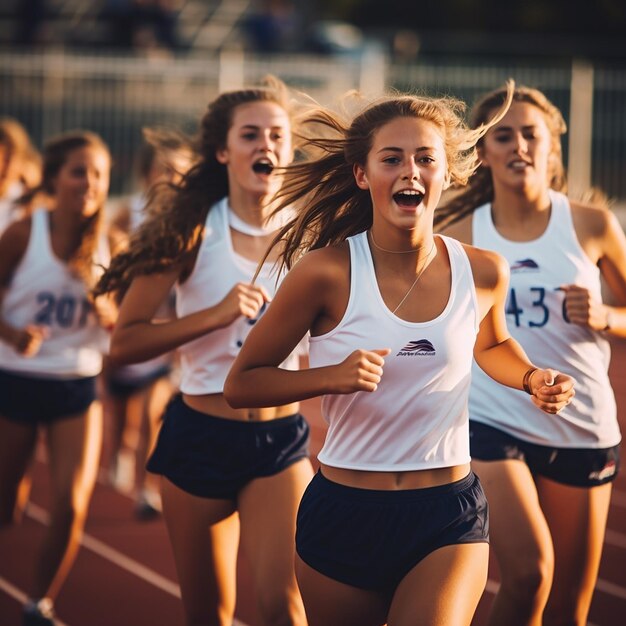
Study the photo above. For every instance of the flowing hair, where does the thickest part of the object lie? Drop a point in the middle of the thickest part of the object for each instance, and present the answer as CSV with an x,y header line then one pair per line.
x,y
479,190
176,212
322,188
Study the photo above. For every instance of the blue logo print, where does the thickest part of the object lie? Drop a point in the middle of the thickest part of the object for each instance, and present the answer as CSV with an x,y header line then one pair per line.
x,y
525,265
421,347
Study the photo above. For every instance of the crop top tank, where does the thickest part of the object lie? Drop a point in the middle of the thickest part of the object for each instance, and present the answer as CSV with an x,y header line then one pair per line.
x,y
536,319
205,362
417,418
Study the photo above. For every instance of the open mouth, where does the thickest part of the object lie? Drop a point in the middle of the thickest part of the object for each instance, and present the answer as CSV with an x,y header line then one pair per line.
x,y
263,167
409,199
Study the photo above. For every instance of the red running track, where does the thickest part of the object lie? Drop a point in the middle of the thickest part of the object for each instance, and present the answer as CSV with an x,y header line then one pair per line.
x,y
124,574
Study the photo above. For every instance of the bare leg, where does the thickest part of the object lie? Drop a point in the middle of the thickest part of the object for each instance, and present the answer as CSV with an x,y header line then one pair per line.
x,y
521,540
443,589
120,447
74,445
204,534
267,508
17,444
332,603
156,398
577,519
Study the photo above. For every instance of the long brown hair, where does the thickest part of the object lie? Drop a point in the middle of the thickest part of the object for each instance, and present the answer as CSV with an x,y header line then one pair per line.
x,y
480,187
330,206
55,155
171,235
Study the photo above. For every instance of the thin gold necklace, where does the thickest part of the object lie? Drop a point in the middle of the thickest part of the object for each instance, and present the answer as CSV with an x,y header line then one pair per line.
x,y
371,234
419,275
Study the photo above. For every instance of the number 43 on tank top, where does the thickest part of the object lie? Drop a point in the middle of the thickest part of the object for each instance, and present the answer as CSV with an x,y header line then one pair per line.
x,y
539,311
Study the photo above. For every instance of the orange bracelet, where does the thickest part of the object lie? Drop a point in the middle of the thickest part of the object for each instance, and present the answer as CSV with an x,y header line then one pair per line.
x,y
526,380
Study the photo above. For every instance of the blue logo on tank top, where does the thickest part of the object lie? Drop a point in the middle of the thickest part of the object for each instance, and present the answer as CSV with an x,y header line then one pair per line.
x,y
525,265
421,347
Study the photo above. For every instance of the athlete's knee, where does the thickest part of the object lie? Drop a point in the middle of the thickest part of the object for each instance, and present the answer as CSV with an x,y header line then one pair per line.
x,y
529,577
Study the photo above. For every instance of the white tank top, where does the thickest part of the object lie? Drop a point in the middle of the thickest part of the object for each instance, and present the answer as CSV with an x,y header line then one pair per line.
x,y
44,292
417,418
535,318
205,362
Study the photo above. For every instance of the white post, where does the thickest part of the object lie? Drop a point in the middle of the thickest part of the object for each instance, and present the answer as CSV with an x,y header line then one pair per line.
x,y
373,70
231,71
580,128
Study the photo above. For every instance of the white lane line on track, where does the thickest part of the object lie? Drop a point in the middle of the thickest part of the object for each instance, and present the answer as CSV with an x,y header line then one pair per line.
x,y
611,589
615,539
114,556
20,596
618,498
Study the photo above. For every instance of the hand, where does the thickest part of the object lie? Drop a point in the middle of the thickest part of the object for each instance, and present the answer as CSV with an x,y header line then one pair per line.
x,y
551,390
360,371
28,340
243,299
582,309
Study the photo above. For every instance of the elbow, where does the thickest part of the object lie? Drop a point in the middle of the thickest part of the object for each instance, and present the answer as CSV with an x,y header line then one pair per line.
x,y
231,394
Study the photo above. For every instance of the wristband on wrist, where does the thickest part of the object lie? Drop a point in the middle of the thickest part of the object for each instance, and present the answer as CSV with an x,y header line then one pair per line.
x,y
526,380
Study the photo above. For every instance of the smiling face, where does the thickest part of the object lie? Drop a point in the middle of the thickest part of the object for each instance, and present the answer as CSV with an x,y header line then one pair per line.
x,y
518,150
405,172
258,140
82,183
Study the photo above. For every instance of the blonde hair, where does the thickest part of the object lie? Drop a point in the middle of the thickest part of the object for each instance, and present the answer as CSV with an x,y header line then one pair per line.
x,y
171,236
480,188
322,187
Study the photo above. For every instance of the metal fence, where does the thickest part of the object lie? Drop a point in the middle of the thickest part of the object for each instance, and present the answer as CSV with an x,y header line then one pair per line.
x,y
117,96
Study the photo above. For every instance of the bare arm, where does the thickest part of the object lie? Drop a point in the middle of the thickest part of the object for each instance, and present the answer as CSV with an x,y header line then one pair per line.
x,y
138,336
308,294
496,352
603,239
13,243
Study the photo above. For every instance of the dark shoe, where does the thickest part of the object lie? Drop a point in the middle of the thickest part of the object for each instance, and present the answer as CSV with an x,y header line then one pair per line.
x,y
40,613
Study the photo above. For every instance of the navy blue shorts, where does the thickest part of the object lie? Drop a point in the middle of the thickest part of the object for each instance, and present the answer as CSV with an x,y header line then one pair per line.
x,y
123,388
372,539
33,400
213,457
576,467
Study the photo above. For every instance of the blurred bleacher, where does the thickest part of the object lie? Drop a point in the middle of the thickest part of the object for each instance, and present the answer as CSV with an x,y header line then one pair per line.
x,y
94,64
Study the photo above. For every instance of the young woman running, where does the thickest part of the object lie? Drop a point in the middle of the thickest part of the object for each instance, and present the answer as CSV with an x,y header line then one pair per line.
x,y
229,475
394,527
548,482
51,340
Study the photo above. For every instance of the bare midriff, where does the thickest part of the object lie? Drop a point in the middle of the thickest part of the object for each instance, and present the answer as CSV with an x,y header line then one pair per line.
x,y
215,404
395,481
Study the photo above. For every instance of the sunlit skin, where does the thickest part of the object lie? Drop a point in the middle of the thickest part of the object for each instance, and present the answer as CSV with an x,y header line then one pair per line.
x,y
260,133
517,150
82,184
406,171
